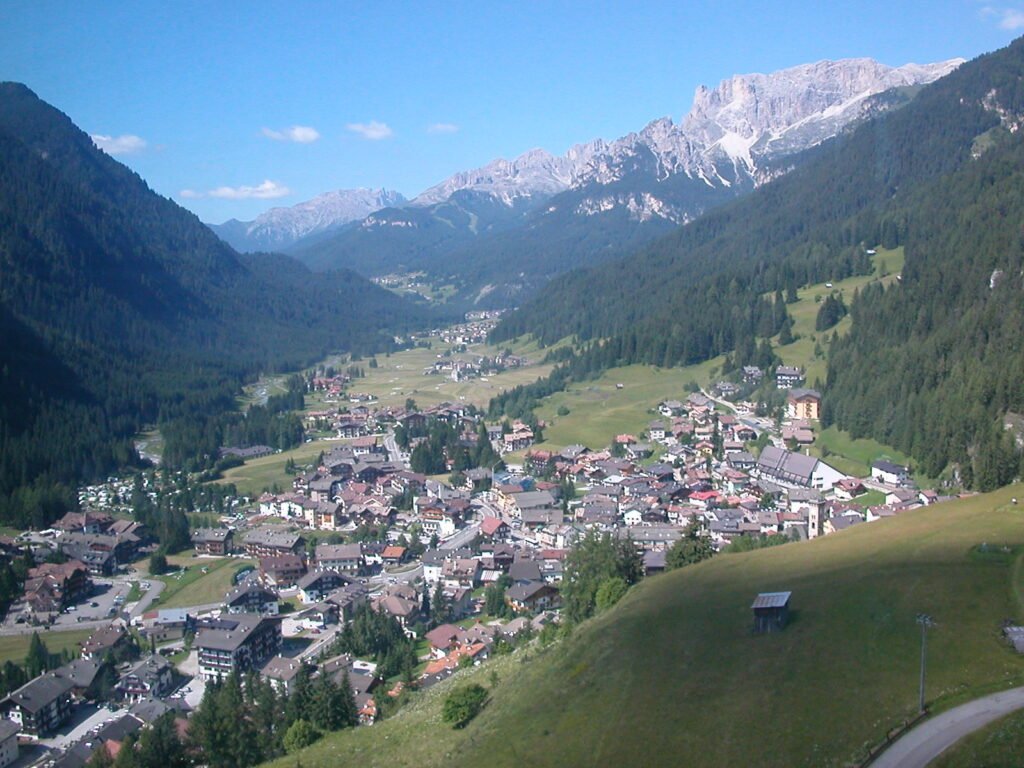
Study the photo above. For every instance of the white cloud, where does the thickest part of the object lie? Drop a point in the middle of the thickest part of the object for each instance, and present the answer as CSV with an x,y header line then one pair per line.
x,y
301,134
442,128
119,145
372,130
1011,19
265,191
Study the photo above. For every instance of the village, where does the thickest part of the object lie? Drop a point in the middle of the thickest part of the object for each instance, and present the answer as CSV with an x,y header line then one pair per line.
x,y
465,565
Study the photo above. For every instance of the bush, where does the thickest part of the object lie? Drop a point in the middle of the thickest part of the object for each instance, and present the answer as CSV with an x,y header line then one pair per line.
x,y
609,593
157,563
299,735
463,704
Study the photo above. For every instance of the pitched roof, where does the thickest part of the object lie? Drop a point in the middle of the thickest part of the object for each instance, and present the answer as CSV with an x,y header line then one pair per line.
x,y
490,525
795,467
771,600
38,692
888,466
522,592
229,634
442,636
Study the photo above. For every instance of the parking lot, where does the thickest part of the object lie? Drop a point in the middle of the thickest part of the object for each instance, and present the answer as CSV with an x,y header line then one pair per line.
x,y
102,604
85,718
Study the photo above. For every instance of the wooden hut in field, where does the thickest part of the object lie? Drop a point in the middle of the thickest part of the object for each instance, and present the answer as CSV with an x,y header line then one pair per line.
x,y
771,611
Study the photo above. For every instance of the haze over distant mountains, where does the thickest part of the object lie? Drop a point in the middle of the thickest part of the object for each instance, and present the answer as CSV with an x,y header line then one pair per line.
x,y
280,227
540,214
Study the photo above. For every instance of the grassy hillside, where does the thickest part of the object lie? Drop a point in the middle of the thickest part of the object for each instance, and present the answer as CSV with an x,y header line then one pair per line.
x,y
263,472
599,409
400,376
999,745
196,587
673,675
801,353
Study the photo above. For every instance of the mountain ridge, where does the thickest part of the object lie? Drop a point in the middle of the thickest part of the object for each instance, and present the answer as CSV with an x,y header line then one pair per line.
x,y
142,313
602,198
281,227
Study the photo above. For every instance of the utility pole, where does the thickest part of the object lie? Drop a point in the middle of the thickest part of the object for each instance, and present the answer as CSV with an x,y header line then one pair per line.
x,y
925,621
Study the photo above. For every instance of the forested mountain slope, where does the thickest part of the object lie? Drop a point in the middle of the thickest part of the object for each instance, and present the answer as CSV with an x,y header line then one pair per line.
x,y
500,232
122,308
938,176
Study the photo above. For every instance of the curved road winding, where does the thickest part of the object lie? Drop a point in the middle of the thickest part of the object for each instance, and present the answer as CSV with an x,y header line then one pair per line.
x,y
922,744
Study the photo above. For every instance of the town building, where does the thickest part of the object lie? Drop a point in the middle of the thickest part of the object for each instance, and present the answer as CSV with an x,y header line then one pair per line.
x,y
213,541
235,644
343,558
251,596
40,706
890,473
803,404
787,377
268,542
8,742
150,677
796,470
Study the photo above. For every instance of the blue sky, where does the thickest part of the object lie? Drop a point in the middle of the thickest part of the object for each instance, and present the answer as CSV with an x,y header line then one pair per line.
x,y
232,108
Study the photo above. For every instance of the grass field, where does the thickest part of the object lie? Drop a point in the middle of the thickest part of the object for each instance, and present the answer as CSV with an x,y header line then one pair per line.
x,y
15,647
999,745
888,264
196,587
871,498
853,456
673,675
400,376
599,410
256,475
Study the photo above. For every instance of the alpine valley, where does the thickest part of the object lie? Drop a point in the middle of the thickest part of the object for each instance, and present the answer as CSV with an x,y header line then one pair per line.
x,y
499,232
701,446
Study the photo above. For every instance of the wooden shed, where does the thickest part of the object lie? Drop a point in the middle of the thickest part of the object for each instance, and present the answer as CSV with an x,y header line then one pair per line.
x,y
771,611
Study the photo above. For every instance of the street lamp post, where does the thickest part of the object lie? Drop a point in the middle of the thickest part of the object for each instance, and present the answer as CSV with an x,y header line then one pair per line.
x,y
925,621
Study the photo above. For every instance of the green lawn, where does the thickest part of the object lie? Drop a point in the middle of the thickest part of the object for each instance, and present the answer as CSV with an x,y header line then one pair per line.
x,y
196,587
673,676
401,376
999,745
15,647
256,475
134,593
599,410
854,456
871,498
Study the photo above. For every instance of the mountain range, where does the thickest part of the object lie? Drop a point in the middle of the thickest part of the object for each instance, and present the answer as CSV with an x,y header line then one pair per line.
x,y
931,365
501,230
279,228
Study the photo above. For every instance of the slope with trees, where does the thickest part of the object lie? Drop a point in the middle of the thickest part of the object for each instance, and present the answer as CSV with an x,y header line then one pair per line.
x,y
933,364
118,309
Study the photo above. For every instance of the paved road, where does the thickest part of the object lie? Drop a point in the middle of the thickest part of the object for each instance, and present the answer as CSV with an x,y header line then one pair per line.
x,y
932,737
394,452
461,538
155,588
